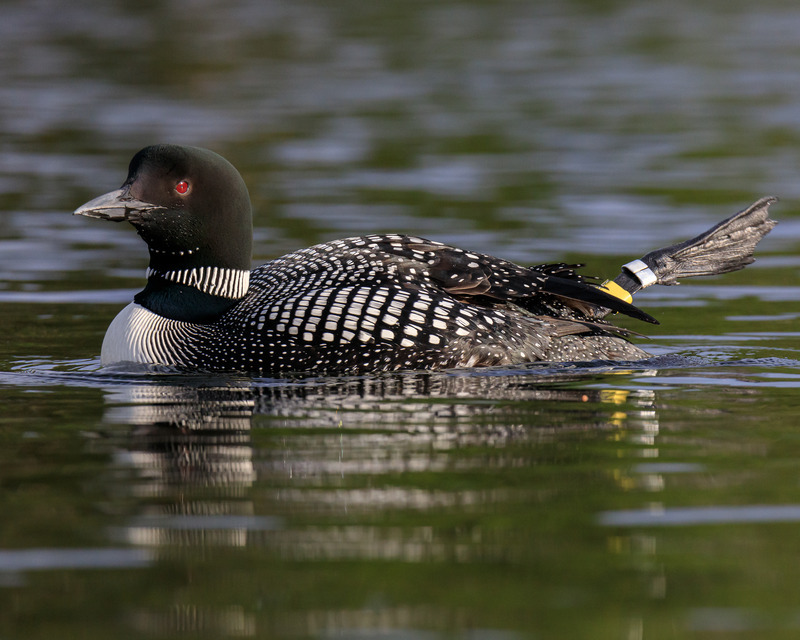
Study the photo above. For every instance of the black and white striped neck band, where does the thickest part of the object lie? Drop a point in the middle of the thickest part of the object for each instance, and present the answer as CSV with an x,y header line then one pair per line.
x,y
215,281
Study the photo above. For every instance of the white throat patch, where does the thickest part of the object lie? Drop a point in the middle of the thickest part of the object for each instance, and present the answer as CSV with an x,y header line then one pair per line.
x,y
139,335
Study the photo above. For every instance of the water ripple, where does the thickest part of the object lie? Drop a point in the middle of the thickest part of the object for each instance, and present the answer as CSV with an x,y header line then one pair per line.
x,y
691,516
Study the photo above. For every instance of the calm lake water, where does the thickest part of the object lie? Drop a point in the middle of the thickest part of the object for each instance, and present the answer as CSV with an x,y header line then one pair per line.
x,y
543,501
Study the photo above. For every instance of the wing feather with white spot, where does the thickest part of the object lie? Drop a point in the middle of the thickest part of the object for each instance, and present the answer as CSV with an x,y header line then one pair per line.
x,y
465,274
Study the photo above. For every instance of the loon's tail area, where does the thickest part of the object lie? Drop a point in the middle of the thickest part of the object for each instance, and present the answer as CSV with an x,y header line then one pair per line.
x,y
727,246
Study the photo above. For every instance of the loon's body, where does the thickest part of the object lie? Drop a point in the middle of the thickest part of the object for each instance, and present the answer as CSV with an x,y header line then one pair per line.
x,y
364,304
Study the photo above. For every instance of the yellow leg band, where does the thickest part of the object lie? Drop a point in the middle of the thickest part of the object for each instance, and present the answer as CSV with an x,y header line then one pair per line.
x,y
609,286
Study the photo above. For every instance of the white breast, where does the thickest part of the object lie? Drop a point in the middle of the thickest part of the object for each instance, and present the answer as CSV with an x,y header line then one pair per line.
x,y
139,335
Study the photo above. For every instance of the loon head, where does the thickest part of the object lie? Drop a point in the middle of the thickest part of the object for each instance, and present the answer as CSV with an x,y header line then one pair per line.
x,y
193,210
189,205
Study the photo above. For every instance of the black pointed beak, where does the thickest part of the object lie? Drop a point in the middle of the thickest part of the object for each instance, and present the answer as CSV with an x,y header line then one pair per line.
x,y
116,206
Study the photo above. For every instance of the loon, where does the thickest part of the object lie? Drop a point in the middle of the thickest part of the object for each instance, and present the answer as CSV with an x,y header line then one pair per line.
x,y
364,304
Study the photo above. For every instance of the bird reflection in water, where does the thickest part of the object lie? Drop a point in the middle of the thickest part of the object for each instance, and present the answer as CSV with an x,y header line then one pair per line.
x,y
197,432
233,463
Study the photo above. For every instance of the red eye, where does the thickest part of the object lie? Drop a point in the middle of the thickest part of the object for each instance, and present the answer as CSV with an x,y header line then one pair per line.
x,y
182,187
